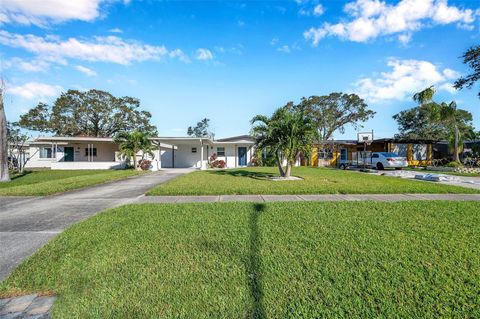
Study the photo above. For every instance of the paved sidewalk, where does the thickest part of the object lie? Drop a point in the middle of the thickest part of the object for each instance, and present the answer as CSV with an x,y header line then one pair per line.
x,y
318,198
28,223
29,306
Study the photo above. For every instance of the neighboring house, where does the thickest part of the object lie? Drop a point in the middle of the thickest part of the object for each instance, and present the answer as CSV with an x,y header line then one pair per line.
x,y
337,152
170,152
443,149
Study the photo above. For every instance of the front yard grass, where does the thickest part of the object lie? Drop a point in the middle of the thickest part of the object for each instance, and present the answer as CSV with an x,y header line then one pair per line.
x,y
273,260
47,182
315,181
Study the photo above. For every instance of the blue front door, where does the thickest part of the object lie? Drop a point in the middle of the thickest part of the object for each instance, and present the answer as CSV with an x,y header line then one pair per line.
x,y
242,156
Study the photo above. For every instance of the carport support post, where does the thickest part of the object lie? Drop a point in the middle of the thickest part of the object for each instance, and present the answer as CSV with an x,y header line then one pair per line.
x,y
159,161
201,155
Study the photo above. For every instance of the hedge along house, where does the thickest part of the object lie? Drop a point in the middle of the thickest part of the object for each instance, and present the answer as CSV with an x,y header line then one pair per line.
x,y
169,152
337,152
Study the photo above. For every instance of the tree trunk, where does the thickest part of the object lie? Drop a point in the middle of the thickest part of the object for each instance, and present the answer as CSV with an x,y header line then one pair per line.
x,y
4,175
288,170
457,137
279,165
135,159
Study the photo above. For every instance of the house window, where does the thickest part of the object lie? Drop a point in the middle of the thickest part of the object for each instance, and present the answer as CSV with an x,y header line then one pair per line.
x,y
46,152
220,151
93,151
194,149
325,154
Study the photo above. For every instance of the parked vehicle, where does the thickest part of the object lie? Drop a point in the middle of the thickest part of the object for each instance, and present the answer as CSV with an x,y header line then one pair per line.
x,y
382,160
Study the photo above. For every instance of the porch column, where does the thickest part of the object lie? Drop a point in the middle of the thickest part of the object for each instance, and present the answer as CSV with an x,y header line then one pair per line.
x,y
235,158
201,154
159,156
91,151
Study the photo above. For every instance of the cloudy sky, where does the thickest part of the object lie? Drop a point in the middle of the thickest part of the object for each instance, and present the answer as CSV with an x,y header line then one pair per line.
x,y
230,60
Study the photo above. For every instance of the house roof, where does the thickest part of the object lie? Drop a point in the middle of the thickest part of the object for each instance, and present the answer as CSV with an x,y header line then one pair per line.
x,y
236,138
405,140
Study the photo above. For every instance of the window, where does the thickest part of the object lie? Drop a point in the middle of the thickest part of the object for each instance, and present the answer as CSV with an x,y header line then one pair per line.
x,y
46,152
375,156
220,151
194,149
325,154
93,152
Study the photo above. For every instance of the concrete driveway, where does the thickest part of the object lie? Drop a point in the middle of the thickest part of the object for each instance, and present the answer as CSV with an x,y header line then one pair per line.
x,y
27,223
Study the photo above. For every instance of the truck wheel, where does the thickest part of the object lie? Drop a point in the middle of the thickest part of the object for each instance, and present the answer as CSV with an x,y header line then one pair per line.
x,y
380,166
343,166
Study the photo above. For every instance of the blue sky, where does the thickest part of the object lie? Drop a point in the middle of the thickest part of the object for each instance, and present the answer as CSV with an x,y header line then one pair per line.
x,y
230,60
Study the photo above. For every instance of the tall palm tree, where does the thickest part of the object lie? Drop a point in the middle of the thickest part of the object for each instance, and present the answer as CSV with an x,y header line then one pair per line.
x,y
456,120
131,143
287,133
4,175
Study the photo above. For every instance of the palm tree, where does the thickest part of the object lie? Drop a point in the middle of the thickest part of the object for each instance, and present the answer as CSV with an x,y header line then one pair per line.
x,y
287,133
456,120
4,175
130,143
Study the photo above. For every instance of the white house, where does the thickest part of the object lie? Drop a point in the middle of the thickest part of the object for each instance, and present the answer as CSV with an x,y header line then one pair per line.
x,y
170,152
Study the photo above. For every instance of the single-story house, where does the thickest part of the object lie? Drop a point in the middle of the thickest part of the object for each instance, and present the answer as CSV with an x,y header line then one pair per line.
x,y
443,150
170,152
337,152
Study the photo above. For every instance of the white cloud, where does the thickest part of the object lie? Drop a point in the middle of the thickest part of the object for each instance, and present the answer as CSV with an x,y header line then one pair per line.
x,y
284,48
41,12
116,30
85,70
405,78
35,90
204,54
370,19
318,10
35,65
405,38
179,54
99,49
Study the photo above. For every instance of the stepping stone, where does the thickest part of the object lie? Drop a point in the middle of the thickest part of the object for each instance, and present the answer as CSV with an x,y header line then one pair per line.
x,y
40,305
17,304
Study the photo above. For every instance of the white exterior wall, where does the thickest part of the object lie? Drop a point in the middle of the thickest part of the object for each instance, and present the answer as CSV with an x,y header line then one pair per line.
x,y
231,153
105,153
184,158
36,162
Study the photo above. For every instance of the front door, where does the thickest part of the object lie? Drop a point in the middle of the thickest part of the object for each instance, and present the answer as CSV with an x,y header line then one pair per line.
x,y
343,155
242,156
68,154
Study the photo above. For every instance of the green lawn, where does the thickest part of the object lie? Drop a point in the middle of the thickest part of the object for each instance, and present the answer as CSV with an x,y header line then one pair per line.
x,y
274,260
47,182
316,181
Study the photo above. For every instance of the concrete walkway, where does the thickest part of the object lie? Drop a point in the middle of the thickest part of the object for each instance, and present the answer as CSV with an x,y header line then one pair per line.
x,y
317,198
27,223
29,306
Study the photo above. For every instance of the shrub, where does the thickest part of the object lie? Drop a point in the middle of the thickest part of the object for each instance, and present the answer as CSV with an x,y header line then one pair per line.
x,y
216,163
255,162
453,164
145,164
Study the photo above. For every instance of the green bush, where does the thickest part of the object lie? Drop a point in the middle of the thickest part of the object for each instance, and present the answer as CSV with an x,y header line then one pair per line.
x,y
453,164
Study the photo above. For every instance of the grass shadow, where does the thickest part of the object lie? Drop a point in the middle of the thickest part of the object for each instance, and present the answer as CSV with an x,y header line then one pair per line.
x,y
254,262
244,173
18,175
